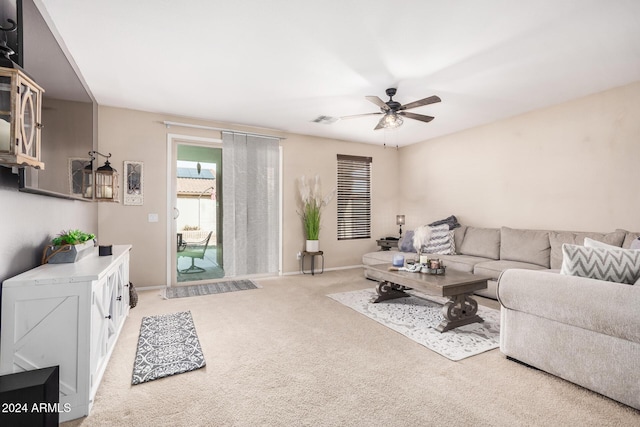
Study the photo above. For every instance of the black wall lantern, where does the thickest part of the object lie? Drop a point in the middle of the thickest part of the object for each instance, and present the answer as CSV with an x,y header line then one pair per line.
x,y
101,185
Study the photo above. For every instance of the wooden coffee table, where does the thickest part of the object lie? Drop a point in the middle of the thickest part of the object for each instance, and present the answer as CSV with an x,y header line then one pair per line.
x,y
461,309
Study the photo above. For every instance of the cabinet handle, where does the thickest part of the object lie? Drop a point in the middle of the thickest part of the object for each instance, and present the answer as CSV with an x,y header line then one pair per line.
x,y
108,317
119,298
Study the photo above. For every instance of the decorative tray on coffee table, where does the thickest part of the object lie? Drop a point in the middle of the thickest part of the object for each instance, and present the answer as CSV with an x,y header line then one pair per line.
x,y
434,271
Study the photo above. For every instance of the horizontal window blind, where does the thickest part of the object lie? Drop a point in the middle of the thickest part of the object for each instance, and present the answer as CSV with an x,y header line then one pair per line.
x,y
354,197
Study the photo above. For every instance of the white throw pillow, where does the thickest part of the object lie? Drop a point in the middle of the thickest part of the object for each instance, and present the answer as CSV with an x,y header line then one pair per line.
x,y
613,265
592,243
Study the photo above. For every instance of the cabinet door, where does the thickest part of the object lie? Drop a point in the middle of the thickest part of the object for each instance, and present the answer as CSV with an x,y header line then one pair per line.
x,y
44,331
120,294
100,319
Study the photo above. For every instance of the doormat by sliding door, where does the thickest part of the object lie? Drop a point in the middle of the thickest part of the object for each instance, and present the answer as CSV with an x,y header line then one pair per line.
x,y
209,288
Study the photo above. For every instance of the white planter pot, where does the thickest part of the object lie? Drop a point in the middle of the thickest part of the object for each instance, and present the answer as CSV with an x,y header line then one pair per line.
x,y
313,245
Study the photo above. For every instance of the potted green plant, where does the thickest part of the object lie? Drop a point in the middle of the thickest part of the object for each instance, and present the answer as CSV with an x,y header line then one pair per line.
x,y
69,246
311,209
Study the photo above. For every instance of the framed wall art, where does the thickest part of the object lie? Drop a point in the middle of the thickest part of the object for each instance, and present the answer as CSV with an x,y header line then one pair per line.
x,y
133,183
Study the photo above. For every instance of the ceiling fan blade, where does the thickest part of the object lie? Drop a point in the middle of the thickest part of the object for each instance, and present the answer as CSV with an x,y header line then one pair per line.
x,y
379,102
415,116
426,101
380,124
359,115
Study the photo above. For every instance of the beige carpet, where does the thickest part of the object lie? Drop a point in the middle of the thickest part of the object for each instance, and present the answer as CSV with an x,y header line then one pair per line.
x,y
286,355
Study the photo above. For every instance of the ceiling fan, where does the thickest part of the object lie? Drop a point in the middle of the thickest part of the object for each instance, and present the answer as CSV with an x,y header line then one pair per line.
x,y
394,112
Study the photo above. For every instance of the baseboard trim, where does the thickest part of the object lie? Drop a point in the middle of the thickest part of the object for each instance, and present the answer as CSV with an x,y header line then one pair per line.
x,y
347,267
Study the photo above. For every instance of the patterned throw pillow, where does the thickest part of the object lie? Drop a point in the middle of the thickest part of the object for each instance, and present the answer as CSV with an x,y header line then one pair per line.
x,y
613,265
441,241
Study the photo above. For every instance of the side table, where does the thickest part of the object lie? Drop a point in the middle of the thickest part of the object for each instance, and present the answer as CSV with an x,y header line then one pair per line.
x,y
386,244
313,256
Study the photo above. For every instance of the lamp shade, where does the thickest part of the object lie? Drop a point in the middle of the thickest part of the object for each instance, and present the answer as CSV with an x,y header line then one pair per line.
x,y
399,219
390,120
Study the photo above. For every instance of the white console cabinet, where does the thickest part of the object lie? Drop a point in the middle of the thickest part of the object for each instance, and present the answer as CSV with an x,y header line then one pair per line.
x,y
68,315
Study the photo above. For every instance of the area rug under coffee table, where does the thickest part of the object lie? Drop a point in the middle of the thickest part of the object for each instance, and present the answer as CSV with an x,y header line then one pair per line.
x,y
168,345
417,316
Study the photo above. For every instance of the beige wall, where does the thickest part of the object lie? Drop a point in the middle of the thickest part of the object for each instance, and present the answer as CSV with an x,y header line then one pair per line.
x,y
28,222
310,156
573,166
141,136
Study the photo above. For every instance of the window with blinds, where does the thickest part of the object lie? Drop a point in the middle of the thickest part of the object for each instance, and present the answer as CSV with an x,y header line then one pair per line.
x,y
354,197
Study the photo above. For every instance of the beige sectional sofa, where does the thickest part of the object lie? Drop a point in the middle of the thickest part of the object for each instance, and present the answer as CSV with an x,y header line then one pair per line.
x,y
583,330
490,251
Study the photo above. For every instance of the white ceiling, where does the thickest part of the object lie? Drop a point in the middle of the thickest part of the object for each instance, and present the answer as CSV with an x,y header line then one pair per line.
x,y
279,64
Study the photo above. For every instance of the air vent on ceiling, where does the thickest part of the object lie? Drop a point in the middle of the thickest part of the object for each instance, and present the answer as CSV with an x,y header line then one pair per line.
x,y
327,120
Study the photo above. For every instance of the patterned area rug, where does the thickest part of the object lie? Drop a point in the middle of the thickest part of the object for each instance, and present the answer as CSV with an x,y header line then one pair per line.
x,y
209,288
168,345
417,316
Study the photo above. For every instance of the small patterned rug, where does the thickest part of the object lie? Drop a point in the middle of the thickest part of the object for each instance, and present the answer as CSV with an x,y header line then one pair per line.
x,y
417,316
209,288
168,345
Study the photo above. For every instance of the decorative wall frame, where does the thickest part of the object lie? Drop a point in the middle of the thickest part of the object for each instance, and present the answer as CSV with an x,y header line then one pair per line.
x,y
133,183
76,168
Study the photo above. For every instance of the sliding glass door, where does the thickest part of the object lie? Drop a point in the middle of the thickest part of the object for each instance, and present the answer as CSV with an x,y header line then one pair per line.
x,y
197,201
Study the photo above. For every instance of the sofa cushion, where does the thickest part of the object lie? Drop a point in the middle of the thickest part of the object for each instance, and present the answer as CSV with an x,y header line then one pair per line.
x,y
493,269
530,246
612,265
629,238
464,263
458,237
558,238
481,242
379,257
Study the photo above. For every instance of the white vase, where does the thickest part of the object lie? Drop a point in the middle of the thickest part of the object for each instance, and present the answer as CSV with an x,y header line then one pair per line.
x,y
313,246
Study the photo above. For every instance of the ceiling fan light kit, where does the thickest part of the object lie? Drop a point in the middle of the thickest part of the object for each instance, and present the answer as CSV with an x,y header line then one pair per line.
x,y
390,121
394,111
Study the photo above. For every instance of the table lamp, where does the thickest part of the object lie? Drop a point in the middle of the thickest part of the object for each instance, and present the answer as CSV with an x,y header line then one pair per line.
x,y
400,222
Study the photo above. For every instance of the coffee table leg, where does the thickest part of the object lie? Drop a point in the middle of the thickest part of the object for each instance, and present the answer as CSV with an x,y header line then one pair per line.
x,y
387,290
458,311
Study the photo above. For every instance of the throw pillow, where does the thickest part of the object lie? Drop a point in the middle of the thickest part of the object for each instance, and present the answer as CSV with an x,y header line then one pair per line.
x,y
421,237
451,221
613,265
406,242
441,241
592,243
558,238
635,244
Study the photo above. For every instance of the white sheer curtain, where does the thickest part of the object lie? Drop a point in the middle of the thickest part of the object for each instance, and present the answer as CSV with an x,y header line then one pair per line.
x,y
250,199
